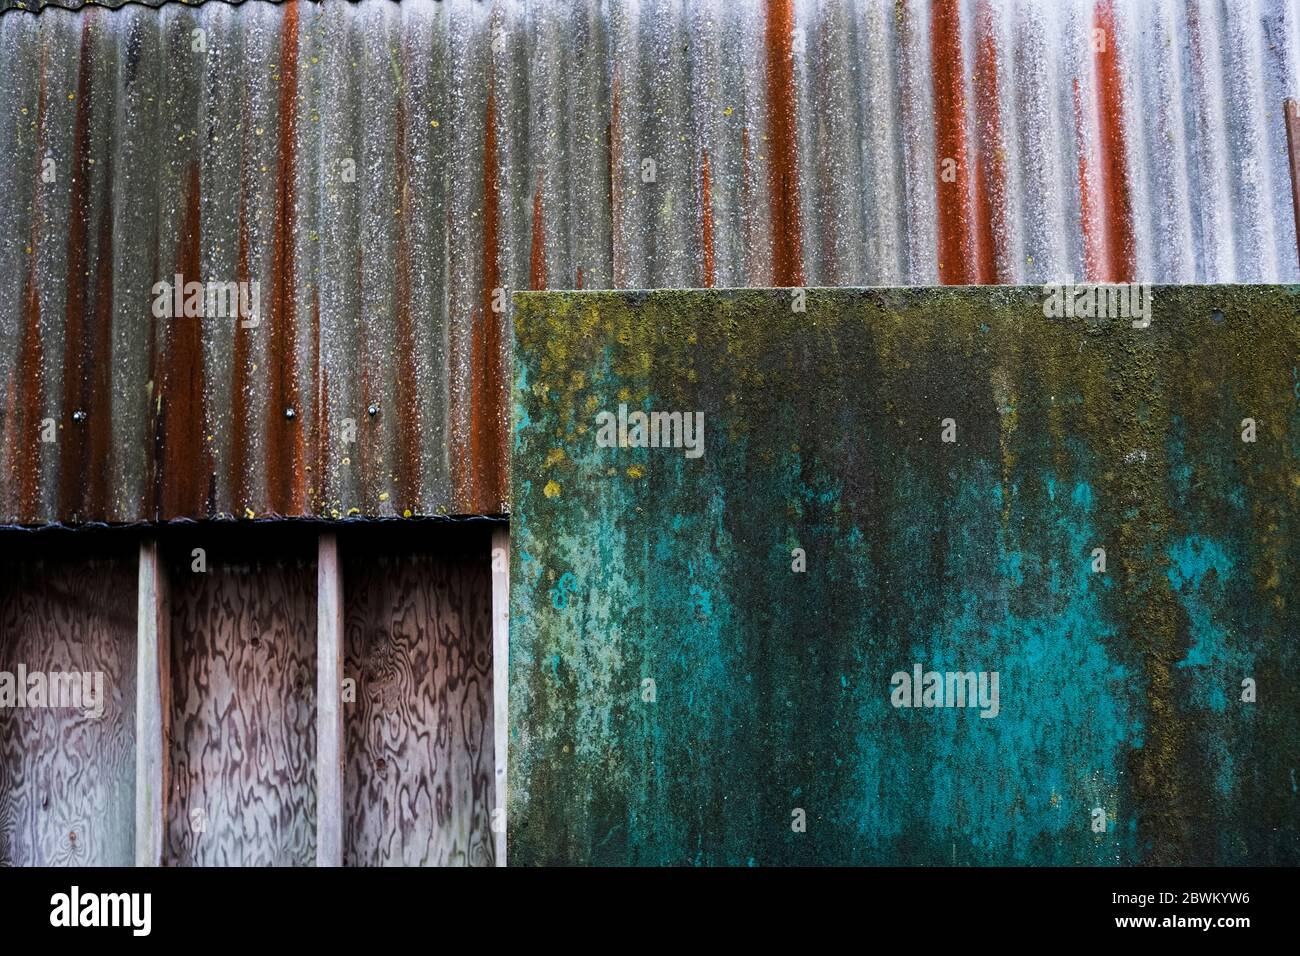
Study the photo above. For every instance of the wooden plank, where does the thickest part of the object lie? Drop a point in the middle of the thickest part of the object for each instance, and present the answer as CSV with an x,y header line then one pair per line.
x,y
1291,110
67,776
153,706
243,752
329,707
419,747
500,678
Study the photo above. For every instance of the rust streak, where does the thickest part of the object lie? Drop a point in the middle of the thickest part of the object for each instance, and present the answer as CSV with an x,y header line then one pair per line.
x,y
181,418
537,252
706,219
956,247
284,473
1291,110
1119,263
26,399
487,437
783,164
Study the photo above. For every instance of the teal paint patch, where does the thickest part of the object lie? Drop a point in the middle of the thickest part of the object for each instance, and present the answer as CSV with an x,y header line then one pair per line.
x,y
735,624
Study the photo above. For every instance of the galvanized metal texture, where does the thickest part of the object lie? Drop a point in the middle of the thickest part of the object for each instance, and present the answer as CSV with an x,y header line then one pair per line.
x,y
504,146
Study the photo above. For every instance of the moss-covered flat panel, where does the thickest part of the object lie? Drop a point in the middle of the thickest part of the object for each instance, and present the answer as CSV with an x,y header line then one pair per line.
x,y
682,692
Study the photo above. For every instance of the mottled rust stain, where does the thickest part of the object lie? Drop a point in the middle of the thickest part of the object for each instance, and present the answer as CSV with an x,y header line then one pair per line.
x,y
537,248
1089,219
783,162
285,486
180,426
955,245
1117,264
706,219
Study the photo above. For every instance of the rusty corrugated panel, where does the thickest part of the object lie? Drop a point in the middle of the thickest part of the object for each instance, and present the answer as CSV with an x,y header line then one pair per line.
x,y
508,145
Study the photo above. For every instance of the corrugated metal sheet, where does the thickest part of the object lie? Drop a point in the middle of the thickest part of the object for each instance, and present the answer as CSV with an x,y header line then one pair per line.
x,y
510,146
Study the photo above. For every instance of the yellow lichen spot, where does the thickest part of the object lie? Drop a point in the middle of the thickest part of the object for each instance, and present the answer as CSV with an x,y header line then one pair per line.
x,y
383,496
554,457
624,394
433,123
346,460
334,512
406,512
353,511
635,471
248,513
552,489
728,110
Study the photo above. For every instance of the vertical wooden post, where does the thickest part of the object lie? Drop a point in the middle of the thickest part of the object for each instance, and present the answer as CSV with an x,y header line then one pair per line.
x,y
500,678
1291,110
329,703
152,707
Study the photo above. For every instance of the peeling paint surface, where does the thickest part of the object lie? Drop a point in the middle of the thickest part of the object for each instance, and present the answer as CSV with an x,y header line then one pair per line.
x,y
509,145
1120,689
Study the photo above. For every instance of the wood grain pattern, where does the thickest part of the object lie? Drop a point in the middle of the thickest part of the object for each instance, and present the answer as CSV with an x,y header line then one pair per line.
x,y
67,781
418,782
243,747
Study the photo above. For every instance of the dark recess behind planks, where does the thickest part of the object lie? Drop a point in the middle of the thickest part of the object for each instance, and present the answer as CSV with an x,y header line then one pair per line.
x,y
238,763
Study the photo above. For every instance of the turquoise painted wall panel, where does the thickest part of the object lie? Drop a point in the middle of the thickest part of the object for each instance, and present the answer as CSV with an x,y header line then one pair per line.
x,y
770,733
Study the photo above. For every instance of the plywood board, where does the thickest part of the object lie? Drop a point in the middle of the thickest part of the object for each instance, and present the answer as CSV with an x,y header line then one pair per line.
x,y
419,773
243,746
67,780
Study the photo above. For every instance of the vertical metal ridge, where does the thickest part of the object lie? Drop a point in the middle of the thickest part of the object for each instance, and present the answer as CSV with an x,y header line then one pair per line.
x,y
390,173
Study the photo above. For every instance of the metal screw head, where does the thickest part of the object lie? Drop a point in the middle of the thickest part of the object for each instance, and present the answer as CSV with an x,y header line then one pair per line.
x,y
372,410
79,416
290,413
